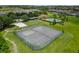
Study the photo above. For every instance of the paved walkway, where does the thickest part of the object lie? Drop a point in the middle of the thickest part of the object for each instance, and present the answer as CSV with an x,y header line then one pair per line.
x,y
12,42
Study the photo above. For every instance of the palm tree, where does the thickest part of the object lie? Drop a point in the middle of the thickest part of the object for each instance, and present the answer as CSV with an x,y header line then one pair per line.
x,y
62,17
54,17
54,22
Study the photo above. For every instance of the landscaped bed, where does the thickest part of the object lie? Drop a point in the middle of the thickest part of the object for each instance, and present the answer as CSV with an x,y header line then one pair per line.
x,y
38,37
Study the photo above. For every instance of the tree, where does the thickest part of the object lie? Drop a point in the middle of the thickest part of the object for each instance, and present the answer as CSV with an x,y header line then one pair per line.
x,y
12,15
63,18
4,48
5,21
1,25
54,22
36,13
24,17
54,16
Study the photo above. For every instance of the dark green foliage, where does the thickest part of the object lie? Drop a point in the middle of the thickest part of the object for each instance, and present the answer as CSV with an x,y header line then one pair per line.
x,y
5,21
11,15
54,22
63,17
1,24
4,48
55,16
24,17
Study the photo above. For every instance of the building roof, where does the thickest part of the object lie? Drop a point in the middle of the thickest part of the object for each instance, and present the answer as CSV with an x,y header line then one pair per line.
x,y
20,24
25,11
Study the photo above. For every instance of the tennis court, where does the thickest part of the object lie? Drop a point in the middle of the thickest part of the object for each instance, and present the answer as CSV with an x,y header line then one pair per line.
x,y
37,37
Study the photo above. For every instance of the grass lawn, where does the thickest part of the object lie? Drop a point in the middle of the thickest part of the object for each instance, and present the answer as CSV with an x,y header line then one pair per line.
x,y
68,42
